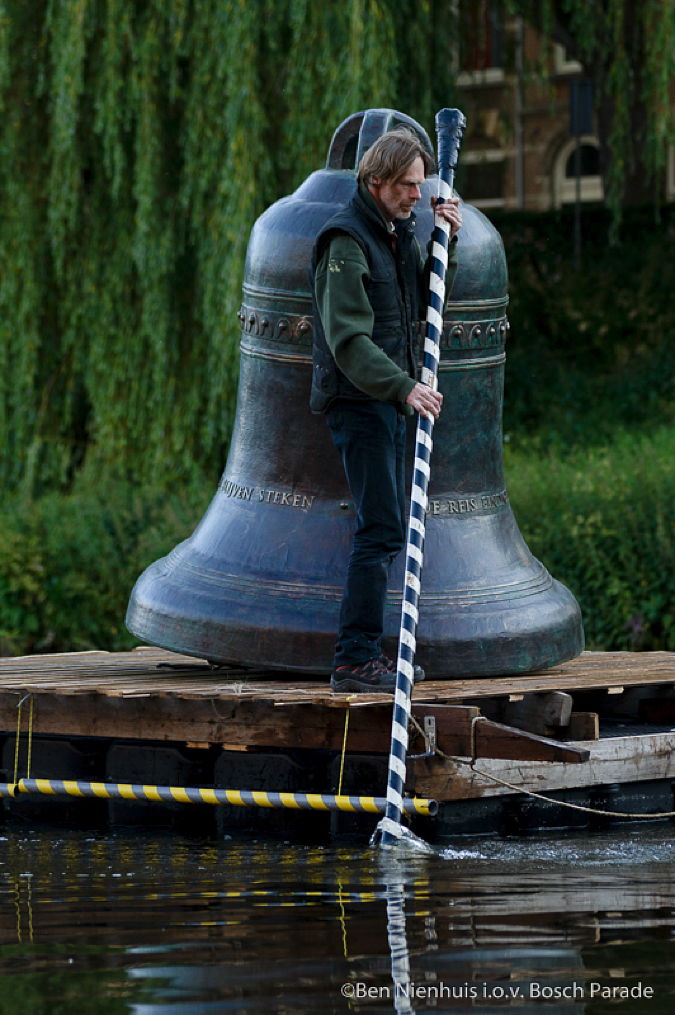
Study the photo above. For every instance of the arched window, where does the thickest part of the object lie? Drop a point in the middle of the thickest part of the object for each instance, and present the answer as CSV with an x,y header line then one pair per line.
x,y
565,172
588,159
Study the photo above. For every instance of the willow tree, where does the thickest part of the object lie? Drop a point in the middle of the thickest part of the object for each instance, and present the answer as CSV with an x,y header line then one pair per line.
x,y
139,141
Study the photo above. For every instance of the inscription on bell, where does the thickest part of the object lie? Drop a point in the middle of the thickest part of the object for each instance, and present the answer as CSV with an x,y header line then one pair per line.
x,y
266,495
472,503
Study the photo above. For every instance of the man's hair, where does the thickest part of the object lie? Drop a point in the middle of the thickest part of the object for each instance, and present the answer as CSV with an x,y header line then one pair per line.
x,y
391,155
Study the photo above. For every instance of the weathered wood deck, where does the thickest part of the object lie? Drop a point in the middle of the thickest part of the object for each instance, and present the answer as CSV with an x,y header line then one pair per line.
x,y
552,730
149,671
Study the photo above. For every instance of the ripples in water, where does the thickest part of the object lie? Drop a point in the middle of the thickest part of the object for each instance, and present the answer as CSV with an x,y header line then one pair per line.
x,y
152,924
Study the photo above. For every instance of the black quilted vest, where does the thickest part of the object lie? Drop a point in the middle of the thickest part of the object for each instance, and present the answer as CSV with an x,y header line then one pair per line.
x,y
393,289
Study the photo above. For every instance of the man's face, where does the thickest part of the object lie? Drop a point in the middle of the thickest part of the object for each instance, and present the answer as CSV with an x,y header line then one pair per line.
x,y
397,198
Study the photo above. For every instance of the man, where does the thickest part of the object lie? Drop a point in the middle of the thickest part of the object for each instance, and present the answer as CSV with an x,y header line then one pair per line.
x,y
369,291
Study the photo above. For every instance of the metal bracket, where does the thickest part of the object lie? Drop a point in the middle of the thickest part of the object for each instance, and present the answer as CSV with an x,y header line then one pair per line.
x,y
429,738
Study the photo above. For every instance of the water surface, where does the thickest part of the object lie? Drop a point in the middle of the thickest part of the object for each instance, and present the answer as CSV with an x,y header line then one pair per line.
x,y
150,923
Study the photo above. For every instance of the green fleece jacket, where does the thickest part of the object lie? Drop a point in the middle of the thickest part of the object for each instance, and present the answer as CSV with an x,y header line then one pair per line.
x,y
347,318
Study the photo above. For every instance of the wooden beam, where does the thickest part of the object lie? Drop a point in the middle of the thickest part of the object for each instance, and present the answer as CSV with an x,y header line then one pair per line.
x,y
201,720
239,723
611,760
583,726
462,732
252,724
539,713
494,740
542,713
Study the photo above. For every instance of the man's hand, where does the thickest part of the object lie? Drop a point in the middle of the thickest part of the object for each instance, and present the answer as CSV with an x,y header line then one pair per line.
x,y
425,400
450,211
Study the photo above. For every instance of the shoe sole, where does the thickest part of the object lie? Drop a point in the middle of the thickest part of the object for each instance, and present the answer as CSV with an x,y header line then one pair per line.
x,y
349,684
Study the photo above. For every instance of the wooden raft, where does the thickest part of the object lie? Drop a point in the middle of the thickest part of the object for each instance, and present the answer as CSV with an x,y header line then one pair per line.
x,y
538,731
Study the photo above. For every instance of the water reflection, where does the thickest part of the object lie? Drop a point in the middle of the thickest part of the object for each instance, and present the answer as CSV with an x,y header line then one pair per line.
x,y
152,924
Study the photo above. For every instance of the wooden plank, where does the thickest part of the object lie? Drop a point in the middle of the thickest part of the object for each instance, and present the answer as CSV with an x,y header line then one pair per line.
x,y
463,732
235,722
583,726
542,713
453,727
611,760
494,740
231,721
253,725
158,686
476,690
539,713
155,670
589,670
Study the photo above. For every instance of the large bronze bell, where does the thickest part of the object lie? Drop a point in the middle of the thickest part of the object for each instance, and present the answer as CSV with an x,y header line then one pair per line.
x,y
259,582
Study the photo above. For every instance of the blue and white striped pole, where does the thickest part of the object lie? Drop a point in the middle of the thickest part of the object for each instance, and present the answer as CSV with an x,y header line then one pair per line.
x,y
450,125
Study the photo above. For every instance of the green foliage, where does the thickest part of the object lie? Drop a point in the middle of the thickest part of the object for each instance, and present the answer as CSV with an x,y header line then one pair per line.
x,y
603,522
589,417
590,350
47,976
601,518
68,561
140,141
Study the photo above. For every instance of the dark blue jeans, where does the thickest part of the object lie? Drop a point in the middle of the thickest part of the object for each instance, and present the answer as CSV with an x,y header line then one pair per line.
x,y
370,437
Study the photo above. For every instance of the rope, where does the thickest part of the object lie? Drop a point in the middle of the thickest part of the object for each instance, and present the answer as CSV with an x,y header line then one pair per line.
x,y
344,751
449,127
17,741
343,920
471,763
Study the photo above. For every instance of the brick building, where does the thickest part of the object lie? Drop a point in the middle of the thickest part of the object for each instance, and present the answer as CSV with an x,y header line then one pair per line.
x,y
525,137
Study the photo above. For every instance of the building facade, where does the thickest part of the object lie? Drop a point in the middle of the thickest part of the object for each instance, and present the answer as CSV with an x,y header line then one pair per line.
x,y
530,142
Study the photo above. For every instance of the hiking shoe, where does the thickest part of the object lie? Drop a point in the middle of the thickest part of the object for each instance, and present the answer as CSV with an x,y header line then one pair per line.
x,y
418,672
370,676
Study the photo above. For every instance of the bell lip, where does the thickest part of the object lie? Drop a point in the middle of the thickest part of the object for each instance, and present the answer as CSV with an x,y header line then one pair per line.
x,y
491,651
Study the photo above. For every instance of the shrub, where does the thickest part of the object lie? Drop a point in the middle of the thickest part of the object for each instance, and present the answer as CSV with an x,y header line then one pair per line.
x,y
68,564
602,521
